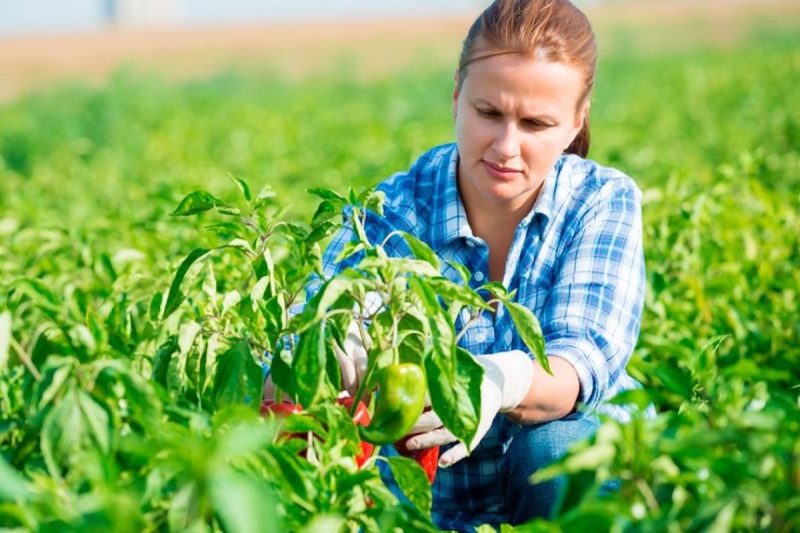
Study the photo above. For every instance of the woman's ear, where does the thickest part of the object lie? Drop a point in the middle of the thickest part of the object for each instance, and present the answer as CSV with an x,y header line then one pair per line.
x,y
581,118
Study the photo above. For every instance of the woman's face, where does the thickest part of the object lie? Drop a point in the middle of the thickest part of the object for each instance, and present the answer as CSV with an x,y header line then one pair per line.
x,y
515,115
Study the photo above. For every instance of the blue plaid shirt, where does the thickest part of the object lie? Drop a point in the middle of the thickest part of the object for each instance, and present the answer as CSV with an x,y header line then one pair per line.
x,y
576,261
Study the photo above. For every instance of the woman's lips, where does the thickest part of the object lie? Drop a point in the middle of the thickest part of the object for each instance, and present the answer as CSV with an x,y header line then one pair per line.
x,y
499,171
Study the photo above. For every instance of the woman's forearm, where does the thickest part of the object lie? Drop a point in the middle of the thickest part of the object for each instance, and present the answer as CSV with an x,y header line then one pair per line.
x,y
550,397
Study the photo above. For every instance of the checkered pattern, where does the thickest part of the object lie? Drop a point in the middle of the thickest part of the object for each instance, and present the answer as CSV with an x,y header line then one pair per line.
x,y
576,261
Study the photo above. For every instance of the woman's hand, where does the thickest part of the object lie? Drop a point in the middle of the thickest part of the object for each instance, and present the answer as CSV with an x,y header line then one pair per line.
x,y
352,358
507,379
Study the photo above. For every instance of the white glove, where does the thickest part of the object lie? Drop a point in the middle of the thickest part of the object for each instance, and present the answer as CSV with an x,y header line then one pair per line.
x,y
506,381
352,358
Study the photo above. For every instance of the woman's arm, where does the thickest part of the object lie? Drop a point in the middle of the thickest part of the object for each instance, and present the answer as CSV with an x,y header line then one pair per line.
x,y
551,396
591,321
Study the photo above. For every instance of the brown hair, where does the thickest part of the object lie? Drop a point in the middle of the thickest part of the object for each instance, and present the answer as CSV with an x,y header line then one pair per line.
x,y
555,28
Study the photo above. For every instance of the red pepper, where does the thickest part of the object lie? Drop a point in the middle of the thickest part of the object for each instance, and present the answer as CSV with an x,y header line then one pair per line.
x,y
281,410
361,418
428,458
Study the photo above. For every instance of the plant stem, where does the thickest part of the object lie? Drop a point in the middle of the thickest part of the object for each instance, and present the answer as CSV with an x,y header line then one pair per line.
x,y
26,360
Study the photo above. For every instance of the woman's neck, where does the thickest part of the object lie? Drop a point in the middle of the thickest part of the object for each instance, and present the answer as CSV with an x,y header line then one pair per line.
x,y
496,223
493,218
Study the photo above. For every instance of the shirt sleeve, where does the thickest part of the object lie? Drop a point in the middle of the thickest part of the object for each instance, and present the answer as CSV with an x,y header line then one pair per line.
x,y
594,311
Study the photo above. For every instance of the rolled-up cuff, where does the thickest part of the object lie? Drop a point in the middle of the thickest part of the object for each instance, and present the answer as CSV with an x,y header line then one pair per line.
x,y
589,364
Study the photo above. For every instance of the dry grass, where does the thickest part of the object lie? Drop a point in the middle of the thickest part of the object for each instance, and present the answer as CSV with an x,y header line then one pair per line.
x,y
375,47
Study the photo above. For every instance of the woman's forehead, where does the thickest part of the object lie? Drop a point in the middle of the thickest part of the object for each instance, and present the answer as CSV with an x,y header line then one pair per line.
x,y
524,69
524,82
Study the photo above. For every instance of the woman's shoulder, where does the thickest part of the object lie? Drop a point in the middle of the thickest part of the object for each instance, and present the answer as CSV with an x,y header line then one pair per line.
x,y
588,174
585,181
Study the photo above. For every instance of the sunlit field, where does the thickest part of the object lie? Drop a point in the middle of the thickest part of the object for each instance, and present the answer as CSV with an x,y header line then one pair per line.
x,y
128,372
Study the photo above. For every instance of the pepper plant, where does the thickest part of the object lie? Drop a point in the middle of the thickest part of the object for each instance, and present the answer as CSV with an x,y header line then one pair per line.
x,y
403,307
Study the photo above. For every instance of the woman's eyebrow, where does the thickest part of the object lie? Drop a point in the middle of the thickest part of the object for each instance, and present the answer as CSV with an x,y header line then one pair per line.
x,y
526,116
484,102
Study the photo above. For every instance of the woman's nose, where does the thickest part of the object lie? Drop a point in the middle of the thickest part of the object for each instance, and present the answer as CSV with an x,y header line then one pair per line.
x,y
506,141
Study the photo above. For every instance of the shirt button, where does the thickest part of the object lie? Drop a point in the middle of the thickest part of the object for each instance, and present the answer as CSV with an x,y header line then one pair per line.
x,y
478,276
480,336
470,244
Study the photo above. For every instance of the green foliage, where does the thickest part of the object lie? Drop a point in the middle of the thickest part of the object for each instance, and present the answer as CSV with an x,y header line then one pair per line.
x,y
132,342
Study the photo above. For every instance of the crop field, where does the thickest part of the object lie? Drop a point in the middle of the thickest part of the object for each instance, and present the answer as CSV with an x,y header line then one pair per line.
x,y
154,234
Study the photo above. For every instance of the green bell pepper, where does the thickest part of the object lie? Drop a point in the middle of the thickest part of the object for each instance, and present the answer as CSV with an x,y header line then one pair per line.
x,y
400,401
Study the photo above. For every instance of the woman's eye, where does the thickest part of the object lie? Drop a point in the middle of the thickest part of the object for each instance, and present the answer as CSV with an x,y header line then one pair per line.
x,y
534,124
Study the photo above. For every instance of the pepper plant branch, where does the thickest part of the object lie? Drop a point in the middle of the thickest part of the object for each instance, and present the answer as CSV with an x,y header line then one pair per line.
x,y
26,360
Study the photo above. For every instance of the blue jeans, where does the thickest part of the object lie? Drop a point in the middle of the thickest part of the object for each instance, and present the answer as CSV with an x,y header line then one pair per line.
x,y
531,448
492,486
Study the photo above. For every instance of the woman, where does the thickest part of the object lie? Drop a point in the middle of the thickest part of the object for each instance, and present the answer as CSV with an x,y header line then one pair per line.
x,y
514,201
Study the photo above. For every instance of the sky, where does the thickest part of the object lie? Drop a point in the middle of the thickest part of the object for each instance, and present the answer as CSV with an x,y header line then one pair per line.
x,y
25,17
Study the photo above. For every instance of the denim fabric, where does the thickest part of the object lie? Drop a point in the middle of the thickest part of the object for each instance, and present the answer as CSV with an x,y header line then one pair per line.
x,y
516,500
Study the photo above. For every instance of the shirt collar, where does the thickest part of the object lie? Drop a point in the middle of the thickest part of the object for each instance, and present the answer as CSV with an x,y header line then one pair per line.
x,y
449,217
546,201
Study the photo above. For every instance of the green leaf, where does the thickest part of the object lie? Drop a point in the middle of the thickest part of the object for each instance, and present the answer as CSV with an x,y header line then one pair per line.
x,y
411,340
308,365
327,194
244,504
281,373
463,271
373,199
529,330
53,380
332,291
5,338
196,202
319,232
723,523
228,210
244,188
421,250
458,398
350,249
96,422
175,297
293,473
186,336
61,432
326,210
13,487
238,378
77,423
226,228
412,481
496,289
454,378
184,508
453,292
162,359
675,380
154,309
265,196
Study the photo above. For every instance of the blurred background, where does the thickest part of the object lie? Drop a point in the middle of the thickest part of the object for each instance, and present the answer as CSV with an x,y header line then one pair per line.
x,y
111,112
43,41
